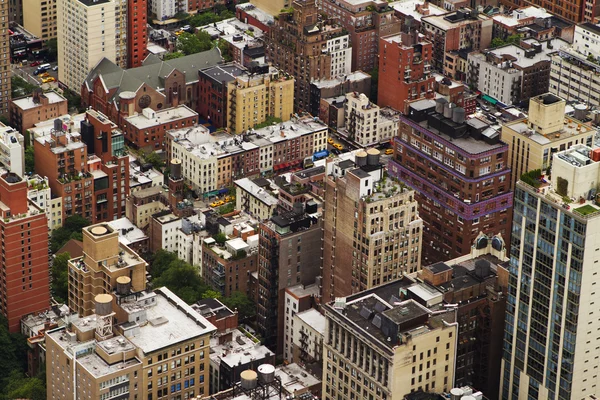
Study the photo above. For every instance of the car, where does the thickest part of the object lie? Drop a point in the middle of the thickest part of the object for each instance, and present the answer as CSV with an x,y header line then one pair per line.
x,y
336,152
485,108
338,146
35,64
45,75
178,33
477,109
220,203
55,68
213,204
389,151
48,80
330,141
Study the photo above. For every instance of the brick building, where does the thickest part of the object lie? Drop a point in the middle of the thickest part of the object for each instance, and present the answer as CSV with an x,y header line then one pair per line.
x,y
137,32
460,172
27,111
24,288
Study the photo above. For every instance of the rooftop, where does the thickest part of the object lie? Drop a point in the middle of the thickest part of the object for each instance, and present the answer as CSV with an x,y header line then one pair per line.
x,y
517,54
149,118
26,103
212,307
330,83
314,319
128,232
223,73
239,350
454,19
409,7
293,378
257,191
571,128
301,291
257,13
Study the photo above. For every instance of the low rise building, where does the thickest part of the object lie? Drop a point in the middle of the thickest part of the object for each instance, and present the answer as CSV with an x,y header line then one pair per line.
x,y
217,314
366,124
12,150
298,298
255,197
307,339
38,191
338,86
26,112
532,21
130,235
142,204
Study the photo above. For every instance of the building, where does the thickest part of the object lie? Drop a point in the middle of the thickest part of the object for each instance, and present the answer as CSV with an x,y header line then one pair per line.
x,y
300,46
40,18
26,112
250,14
87,167
130,235
105,262
145,343
414,10
308,333
142,204
512,74
272,7
120,93
577,11
533,141
238,99
38,191
461,29
384,216
357,81
366,124
227,267
574,77
404,69
146,131
297,298
255,198
291,239
25,287
137,32
460,173
12,150
540,360
532,22
360,361
366,21
217,314
87,32
5,84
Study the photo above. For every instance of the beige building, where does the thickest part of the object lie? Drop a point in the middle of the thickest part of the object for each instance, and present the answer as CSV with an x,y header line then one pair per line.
x,y
88,31
40,18
255,198
366,123
254,97
378,346
272,7
533,141
104,261
143,345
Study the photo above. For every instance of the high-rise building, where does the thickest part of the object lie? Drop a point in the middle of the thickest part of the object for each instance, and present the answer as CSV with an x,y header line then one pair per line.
x,y
144,345
4,64
366,21
533,141
302,45
551,329
460,172
372,230
404,69
137,32
25,288
40,18
289,250
367,124
88,31
378,347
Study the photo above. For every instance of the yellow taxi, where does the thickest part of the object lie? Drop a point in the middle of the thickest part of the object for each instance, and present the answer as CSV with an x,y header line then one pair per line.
x,y
330,141
45,75
229,198
338,146
48,80
389,151
220,203
213,204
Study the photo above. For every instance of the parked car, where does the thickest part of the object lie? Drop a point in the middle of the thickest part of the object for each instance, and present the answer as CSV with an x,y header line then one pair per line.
x,y
389,151
55,68
485,108
48,80
35,63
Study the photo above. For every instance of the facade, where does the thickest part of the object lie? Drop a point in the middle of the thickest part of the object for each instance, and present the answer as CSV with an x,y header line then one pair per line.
x,y
5,84
142,204
367,124
87,33
145,344
360,362
575,78
404,69
40,18
291,240
254,198
533,141
366,21
462,29
298,45
385,225
137,40
307,336
12,150
26,112
357,81
38,191
460,173
540,360
577,11
25,288
297,298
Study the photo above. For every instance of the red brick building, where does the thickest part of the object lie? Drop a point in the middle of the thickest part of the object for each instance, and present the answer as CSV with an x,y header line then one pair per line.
x,y
24,287
137,31
404,70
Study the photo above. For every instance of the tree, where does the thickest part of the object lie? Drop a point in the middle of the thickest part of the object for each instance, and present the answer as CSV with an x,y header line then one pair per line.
x,y
29,159
497,42
514,39
161,261
21,387
73,100
60,277
183,280
52,47
211,294
155,159
225,50
203,19
21,87
171,56
220,238
240,301
189,43
71,229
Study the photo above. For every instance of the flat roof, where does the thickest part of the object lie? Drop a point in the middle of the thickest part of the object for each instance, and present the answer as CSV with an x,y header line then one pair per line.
x,y
128,232
140,121
314,319
408,7
239,350
301,291
256,191
26,103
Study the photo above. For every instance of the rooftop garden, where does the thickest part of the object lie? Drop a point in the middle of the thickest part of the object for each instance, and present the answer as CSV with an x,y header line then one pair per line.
x,y
532,178
586,209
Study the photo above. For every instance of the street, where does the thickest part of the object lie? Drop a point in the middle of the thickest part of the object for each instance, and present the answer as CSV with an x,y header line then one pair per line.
x,y
26,71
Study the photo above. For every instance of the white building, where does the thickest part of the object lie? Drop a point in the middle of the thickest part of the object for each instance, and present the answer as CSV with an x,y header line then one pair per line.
x,y
341,55
366,123
12,150
586,39
257,200
573,77
297,298
38,191
89,30
307,339
165,9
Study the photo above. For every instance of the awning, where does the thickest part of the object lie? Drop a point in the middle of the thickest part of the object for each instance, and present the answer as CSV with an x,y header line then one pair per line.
x,y
489,99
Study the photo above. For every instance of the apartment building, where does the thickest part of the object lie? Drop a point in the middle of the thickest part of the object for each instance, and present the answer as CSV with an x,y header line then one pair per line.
x,y
552,355
5,84
137,31
297,298
366,124
385,226
300,46
289,245
89,31
12,150
145,344
146,131
40,18
142,204
308,331
26,112
272,7
461,29
576,12
547,130
38,191
532,21
460,173
255,198
378,346
214,161
404,69
357,81
366,21
25,288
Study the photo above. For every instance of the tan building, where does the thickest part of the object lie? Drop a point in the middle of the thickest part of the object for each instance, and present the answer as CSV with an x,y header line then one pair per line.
x,y
255,198
372,230
254,97
104,260
145,345
4,63
272,7
379,347
142,204
533,141
87,33
40,18
26,112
